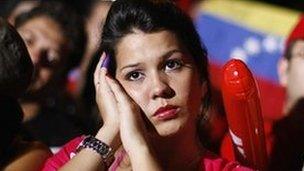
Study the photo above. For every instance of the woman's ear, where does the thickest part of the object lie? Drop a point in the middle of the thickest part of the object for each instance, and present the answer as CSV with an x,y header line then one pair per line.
x,y
282,69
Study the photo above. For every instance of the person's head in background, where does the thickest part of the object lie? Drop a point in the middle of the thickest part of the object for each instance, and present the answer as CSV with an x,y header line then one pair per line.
x,y
151,53
55,38
95,16
16,71
14,8
291,66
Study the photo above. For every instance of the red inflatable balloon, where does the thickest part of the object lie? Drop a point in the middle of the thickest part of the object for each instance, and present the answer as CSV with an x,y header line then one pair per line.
x,y
243,110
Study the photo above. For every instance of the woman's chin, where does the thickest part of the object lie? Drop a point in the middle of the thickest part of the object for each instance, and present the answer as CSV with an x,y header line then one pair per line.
x,y
169,129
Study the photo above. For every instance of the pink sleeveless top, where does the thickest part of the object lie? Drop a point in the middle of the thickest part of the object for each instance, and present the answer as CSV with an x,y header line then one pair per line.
x,y
209,162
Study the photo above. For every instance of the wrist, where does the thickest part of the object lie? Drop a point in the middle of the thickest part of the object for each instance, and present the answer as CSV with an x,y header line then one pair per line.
x,y
137,153
109,135
97,147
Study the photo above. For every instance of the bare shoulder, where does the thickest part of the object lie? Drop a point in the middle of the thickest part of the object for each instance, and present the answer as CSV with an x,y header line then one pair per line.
x,y
29,156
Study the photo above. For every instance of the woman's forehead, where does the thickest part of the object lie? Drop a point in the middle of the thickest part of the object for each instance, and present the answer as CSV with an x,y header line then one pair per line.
x,y
140,43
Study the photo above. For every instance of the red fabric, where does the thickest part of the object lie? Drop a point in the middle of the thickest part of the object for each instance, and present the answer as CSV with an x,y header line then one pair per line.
x,y
212,163
184,4
209,162
297,32
63,156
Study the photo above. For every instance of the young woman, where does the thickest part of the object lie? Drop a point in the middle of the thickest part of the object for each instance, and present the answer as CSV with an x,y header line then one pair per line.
x,y
152,90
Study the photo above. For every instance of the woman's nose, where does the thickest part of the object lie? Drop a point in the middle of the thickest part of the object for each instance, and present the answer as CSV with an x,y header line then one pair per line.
x,y
160,87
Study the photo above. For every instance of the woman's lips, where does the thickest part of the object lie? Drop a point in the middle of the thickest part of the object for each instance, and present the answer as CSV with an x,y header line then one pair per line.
x,y
166,113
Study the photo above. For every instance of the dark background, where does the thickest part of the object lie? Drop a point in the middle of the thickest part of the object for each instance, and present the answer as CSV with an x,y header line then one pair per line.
x,y
292,4
80,4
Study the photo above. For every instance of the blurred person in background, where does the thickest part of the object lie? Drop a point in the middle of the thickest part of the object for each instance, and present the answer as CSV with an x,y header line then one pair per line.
x,y
16,71
288,145
94,13
94,22
81,83
55,38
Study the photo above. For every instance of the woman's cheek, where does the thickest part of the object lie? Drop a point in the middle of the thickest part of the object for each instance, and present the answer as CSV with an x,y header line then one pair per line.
x,y
135,92
140,97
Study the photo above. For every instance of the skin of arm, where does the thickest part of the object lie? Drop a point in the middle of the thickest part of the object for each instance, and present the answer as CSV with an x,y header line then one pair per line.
x,y
88,159
32,157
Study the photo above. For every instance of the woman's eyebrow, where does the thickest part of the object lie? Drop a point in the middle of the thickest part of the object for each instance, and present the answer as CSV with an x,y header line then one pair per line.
x,y
166,55
130,66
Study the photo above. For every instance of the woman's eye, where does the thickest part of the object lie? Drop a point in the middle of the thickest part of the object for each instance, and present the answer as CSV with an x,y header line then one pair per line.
x,y
28,41
134,76
173,65
28,38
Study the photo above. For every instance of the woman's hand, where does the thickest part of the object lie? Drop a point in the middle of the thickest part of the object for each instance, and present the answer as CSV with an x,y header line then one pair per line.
x,y
107,105
120,112
132,130
105,98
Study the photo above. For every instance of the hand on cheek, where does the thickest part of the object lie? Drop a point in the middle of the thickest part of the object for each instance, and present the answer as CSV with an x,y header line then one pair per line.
x,y
132,129
107,105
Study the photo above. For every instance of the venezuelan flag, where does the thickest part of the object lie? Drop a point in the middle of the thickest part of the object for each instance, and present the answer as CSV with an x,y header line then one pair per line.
x,y
253,32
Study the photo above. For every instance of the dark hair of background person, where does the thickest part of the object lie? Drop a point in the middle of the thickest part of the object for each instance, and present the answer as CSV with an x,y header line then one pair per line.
x,y
16,71
70,23
89,106
10,124
16,65
288,149
153,16
85,6
8,6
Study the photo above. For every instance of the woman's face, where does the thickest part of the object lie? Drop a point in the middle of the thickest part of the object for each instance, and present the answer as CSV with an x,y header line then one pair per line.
x,y
45,43
161,78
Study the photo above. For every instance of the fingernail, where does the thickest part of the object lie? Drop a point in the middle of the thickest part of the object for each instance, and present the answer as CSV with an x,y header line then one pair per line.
x,y
106,62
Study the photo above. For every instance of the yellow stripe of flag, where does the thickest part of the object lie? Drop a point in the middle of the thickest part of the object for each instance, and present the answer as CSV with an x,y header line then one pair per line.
x,y
255,15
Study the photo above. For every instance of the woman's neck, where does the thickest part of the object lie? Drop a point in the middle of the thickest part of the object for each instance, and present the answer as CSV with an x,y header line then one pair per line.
x,y
180,152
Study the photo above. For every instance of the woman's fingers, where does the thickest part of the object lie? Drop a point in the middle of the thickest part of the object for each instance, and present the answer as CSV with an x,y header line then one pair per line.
x,y
129,110
132,131
121,96
101,86
97,69
105,98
